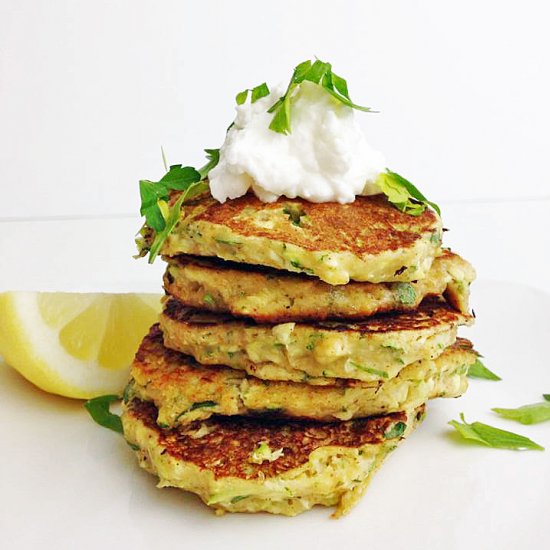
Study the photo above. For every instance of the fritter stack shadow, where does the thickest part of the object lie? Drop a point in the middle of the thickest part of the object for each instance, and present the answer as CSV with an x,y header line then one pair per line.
x,y
289,313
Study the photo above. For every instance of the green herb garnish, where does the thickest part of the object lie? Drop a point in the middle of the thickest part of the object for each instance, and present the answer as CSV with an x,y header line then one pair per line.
x,y
546,396
397,430
213,157
99,409
257,93
493,437
155,197
403,194
528,414
319,73
479,370
173,217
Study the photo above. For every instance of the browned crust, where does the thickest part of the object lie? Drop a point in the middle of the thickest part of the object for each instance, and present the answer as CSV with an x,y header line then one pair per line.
x,y
227,449
366,226
153,357
432,312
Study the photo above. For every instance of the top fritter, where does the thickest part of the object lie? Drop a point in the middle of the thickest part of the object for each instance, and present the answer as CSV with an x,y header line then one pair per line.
x,y
366,240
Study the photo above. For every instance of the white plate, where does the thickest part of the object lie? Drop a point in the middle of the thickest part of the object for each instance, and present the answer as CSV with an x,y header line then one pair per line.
x,y
67,483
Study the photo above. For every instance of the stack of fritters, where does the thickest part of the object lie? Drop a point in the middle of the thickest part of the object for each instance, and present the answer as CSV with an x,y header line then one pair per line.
x,y
297,346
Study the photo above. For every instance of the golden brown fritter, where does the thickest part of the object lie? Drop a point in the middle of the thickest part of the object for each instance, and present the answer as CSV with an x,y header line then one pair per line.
x,y
366,240
184,391
249,465
374,349
272,296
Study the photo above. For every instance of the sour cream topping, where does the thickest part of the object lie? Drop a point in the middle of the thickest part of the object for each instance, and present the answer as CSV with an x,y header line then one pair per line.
x,y
325,158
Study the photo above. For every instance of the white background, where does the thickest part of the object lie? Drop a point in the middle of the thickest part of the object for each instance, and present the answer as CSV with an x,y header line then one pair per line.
x,y
89,91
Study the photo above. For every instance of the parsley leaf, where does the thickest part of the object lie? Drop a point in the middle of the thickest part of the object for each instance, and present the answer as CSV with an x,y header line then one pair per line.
x,y
258,92
240,98
546,396
151,196
479,370
179,177
403,194
213,157
155,196
493,437
320,73
98,407
173,217
528,414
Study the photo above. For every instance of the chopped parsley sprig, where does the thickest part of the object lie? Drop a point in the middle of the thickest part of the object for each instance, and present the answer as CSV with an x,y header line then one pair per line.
x,y
257,93
493,437
318,72
479,370
403,194
527,414
100,410
159,216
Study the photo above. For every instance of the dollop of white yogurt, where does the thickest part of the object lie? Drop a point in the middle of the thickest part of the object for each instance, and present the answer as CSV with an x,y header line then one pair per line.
x,y
325,158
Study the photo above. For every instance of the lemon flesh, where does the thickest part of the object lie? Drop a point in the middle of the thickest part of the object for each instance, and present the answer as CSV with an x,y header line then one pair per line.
x,y
76,345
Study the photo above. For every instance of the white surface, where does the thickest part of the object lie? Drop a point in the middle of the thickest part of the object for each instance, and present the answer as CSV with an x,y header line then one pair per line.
x,y
67,483
91,90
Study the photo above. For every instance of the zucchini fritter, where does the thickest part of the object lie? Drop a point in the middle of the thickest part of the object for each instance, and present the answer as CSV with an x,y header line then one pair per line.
x,y
273,296
237,464
184,391
375,349
366,240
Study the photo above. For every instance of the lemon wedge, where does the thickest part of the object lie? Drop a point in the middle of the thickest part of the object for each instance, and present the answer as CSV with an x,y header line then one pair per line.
x,y
76,345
